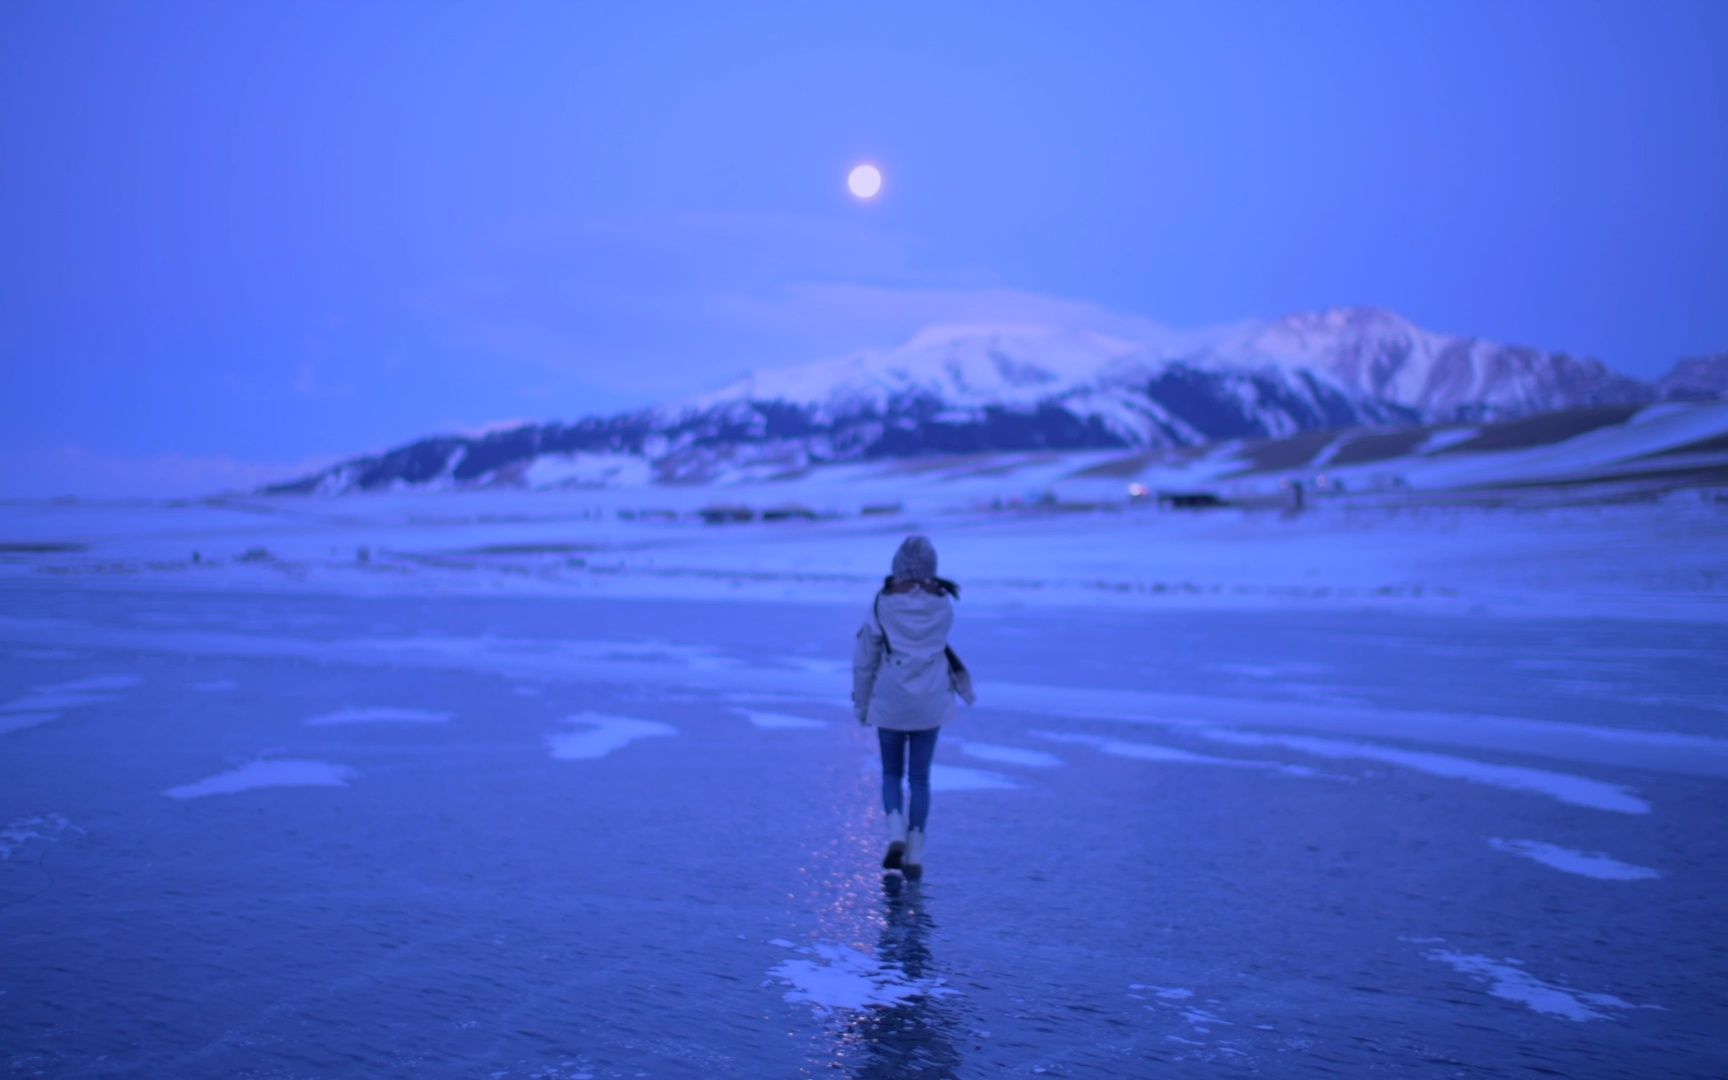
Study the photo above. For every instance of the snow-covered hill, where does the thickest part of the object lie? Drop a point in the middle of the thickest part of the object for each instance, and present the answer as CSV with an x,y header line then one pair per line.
x,y
971,389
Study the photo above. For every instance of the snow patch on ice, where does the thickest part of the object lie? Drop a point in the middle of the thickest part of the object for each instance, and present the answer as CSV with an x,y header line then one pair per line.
x,y
961,778
1144,751
16,835
1007,755
1565,787
53,702
1167,993
277,772
96,684
380,714
601,734
775,721
1507,979
46,703
839,977
1585,864
10,721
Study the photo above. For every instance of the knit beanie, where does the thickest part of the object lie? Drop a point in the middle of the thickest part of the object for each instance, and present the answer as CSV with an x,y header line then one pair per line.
x,y
916,559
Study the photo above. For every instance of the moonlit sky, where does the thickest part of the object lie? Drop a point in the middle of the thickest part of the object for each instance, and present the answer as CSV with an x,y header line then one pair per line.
x,y
240,238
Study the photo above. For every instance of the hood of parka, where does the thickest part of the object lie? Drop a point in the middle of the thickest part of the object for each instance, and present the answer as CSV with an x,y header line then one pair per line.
x,y
916,622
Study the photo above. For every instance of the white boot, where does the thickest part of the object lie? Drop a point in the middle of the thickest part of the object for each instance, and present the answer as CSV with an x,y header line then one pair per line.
x,y
912,863
896,840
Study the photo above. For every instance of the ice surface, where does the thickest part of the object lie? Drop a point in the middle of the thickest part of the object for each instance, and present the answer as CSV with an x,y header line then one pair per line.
x,y
601,735
1508,979
215,686
471,905
1585,864
276,772
1567,788
380,714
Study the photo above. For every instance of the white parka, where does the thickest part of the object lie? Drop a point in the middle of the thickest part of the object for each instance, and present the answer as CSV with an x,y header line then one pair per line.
x,y
900,676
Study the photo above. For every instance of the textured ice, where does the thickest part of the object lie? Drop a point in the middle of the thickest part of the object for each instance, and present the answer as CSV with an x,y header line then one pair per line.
x,y
1585,864
601,734
1507,979
1566,787
469,906
275,772
380,714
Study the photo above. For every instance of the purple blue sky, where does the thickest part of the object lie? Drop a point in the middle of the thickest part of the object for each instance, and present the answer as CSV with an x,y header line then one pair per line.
x,y
236,238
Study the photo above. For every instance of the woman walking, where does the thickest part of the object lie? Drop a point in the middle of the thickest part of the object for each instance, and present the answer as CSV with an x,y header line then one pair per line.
x,y
904,679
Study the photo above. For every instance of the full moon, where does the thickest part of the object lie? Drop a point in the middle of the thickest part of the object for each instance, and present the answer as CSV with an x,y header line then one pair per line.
x,y
865,181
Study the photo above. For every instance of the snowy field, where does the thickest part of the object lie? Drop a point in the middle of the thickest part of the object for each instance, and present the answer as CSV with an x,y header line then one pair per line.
x,y
525,790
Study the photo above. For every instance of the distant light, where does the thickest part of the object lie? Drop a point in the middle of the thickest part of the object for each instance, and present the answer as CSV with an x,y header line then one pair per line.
x,y
865,181
1136,491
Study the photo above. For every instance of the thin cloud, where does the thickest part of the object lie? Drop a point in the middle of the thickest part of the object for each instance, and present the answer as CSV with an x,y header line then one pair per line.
x,y
74,470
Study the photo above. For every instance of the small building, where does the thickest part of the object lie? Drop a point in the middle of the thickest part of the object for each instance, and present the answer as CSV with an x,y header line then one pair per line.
x,y
789,512
726,515
1190,500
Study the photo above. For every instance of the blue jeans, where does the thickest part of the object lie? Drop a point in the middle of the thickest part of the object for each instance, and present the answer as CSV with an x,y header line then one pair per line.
x,y
897,748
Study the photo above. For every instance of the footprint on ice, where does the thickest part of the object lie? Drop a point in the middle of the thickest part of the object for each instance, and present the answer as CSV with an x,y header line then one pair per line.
x,y
1585,864
1507,979
600,734
279,772
379,714
781,721
839,977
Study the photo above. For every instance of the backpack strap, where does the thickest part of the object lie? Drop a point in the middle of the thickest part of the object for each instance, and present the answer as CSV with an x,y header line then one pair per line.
x,y
876,610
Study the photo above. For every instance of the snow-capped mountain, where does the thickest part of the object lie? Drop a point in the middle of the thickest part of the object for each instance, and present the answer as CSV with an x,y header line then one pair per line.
x,y
960,389
1700,378
1382,355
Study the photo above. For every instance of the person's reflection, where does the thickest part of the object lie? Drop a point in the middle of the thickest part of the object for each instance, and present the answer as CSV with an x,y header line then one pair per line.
x,y
914,1037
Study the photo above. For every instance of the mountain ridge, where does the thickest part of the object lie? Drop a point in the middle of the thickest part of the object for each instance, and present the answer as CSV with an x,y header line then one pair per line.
x,y
969,388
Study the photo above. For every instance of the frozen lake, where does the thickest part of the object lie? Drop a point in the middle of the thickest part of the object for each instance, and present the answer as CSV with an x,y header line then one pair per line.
x,y
284,835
